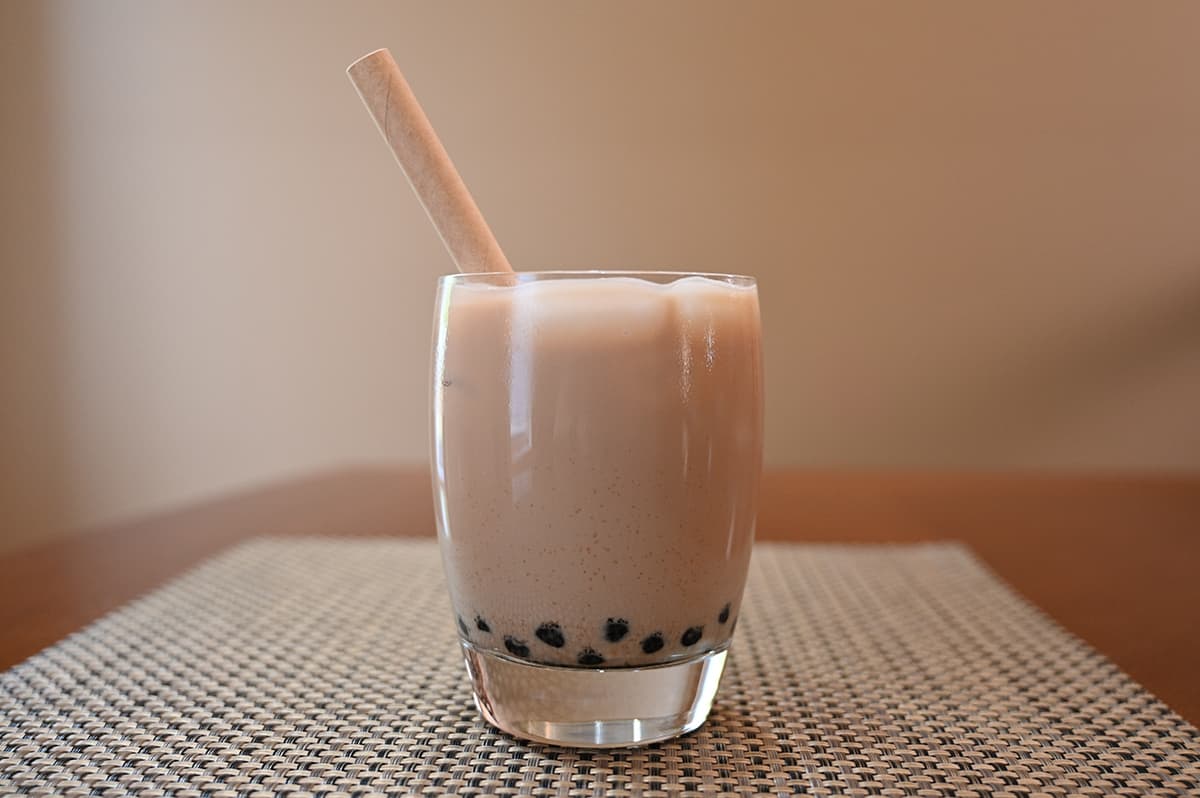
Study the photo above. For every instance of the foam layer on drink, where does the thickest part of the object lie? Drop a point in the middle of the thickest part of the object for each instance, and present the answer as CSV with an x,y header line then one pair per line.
x,y
601,441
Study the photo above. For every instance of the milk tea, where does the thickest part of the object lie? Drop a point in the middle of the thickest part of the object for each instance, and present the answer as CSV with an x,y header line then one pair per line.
x,y
597,445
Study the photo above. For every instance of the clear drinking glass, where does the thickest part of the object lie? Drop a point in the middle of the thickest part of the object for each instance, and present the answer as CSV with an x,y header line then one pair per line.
x,y
596,445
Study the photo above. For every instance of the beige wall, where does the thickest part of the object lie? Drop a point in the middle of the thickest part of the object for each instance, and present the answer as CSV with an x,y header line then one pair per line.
x,y
976,226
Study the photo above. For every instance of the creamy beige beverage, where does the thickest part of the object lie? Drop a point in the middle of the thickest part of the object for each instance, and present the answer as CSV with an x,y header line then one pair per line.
x,y
597,448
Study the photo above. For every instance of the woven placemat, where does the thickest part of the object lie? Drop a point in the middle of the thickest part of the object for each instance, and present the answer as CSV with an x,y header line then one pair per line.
x,y
322,666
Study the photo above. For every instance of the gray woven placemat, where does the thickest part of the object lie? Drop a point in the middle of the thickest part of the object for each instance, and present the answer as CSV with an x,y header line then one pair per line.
x,y
316,666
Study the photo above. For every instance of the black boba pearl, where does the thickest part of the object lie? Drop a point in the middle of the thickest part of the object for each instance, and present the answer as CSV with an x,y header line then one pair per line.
x,y
589,656
692,636
652,643
481,624
724,616
615,629
516,647
551,634
462,626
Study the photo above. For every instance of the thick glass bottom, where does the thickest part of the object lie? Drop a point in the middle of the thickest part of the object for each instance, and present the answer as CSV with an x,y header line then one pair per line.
x,y
593,707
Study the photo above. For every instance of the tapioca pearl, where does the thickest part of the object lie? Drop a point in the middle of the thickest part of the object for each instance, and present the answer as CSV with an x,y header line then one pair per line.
x,y
551,634
724,616
462,627
516,647
615,629
652,643
590,656
481,624
692,636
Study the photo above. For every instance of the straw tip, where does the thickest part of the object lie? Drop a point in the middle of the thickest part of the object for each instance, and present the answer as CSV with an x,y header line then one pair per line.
x,y
372,56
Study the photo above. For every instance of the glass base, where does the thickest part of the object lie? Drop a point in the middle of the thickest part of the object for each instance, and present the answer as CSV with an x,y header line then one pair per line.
x,y
593,707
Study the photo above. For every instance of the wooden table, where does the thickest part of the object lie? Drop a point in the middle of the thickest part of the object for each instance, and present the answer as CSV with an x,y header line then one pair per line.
x,y
1115,559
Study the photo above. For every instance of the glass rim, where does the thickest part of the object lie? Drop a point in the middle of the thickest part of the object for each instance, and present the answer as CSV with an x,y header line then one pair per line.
x,y
651,275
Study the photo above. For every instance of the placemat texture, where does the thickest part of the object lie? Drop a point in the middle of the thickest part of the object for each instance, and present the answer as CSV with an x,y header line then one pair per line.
x,y
330,666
